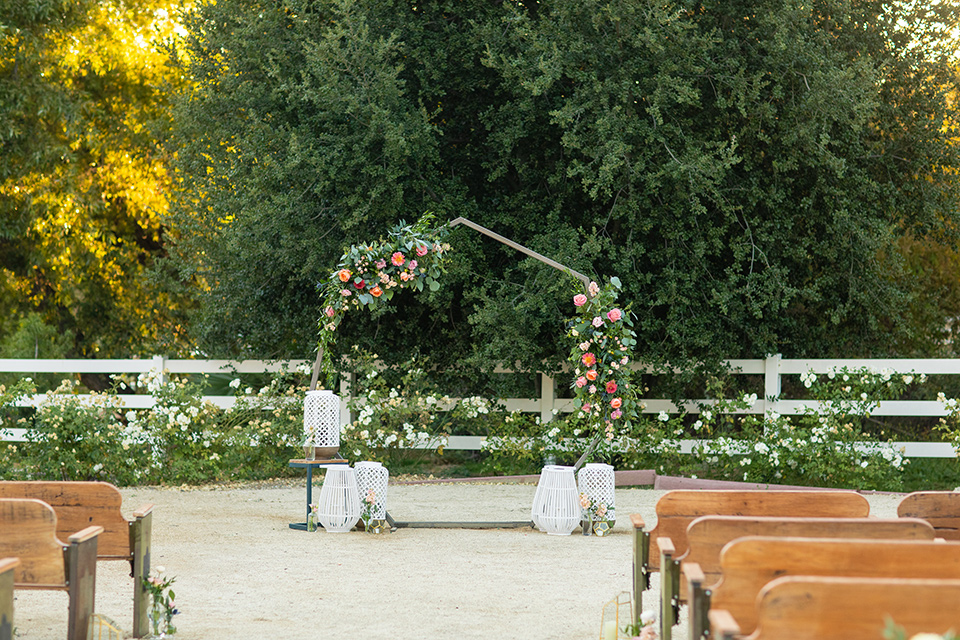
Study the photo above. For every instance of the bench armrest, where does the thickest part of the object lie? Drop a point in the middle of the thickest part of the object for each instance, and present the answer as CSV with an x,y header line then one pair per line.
x,y
85,534
143,511
6,564
723,625
637,521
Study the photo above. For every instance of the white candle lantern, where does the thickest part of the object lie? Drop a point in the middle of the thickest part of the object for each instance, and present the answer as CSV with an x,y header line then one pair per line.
x,y
373,476
556,508
321,422
338,508
596,480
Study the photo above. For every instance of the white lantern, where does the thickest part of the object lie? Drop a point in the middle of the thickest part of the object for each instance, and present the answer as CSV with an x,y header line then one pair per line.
x,y
556,507
373,476
596,480
339,506
321,422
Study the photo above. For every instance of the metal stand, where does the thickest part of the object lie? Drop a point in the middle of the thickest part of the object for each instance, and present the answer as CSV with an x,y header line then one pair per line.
x,y
310,465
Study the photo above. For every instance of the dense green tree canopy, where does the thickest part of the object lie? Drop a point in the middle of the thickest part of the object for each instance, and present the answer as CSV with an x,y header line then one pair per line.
x,y
749,169
83,183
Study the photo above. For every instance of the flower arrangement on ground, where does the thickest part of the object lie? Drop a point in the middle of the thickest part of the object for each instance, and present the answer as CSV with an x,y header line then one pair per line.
x,y
412,256
366,508
162,599
603,339
593,510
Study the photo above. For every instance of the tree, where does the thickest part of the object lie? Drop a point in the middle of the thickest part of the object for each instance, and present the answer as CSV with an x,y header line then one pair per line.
x,y
83,103
745,168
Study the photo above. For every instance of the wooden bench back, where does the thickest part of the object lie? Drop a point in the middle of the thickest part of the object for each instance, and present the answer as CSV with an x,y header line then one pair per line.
x,y
79,505
751,562
708,535
677,509
30,533
939,508
840,608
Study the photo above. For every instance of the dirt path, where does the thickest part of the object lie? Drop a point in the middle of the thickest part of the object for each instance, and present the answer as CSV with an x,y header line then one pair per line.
x,y
243,573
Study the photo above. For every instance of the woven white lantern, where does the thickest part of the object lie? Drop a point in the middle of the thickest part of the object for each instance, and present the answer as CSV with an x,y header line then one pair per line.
x,y
373,475
321,422
596,480
556,507
338,508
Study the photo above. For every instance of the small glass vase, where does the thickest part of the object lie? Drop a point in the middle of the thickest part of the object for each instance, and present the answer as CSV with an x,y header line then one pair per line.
x,y
161,621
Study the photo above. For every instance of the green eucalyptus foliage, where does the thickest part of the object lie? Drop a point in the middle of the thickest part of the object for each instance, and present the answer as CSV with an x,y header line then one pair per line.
x,y
745,168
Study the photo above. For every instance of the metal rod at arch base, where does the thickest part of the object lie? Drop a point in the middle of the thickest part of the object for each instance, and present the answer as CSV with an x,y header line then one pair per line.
x,y
519,247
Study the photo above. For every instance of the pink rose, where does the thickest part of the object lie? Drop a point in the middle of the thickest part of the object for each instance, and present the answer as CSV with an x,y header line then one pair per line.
x,y
329,311
614,315
598,322
381,264
422,250
579,299
616,414
585,408
611,387
584,346
616,402
581,382
593,388
345,292
412,265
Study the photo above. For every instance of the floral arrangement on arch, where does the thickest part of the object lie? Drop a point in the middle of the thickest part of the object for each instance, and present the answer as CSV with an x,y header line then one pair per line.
x,y
411,256
603,339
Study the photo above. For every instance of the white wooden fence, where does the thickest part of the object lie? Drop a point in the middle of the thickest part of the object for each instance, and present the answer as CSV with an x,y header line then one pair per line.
x,y
772,368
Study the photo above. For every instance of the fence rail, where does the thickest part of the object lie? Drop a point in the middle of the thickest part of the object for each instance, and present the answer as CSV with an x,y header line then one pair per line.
x,y
773,368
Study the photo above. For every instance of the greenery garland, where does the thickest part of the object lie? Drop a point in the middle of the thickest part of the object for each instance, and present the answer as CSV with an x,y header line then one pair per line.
x,y
412,257
603,339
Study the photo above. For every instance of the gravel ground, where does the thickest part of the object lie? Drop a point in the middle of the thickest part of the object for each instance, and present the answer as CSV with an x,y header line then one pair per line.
x,y
243,573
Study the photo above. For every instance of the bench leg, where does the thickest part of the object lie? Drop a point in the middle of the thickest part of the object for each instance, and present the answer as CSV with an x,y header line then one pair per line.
x,y
669,595
6,603
641,570
141,531
81,586
699,605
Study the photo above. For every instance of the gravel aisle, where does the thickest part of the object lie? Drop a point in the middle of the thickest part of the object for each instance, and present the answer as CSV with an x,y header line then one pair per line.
x,y
243,573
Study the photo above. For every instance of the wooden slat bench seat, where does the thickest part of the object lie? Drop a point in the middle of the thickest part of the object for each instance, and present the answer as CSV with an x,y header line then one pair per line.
x,y
707,536
751,562
847,608
940,508
7,566
28,531
677,509
82,504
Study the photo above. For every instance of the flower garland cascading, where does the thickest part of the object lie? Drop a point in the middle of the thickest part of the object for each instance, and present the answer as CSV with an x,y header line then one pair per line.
x,y
412,256
604,340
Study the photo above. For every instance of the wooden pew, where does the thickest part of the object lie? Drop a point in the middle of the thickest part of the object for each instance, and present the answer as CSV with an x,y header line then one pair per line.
x,y
939,508
29,532
845,608
7,566
751,562
677,509
707,536
81,504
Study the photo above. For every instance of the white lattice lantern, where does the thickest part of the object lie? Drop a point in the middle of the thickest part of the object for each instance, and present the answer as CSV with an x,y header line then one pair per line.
x,y
596,480
556,506
373,475
321,422
338,508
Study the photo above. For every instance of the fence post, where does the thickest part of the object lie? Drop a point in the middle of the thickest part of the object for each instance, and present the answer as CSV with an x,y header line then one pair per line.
x,y
771,382
160,364
547,396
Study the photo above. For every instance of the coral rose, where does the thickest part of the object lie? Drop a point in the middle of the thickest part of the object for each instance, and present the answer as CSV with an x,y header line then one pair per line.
x,y
611,387
344,275
422,250
592,374
376,292
616,403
